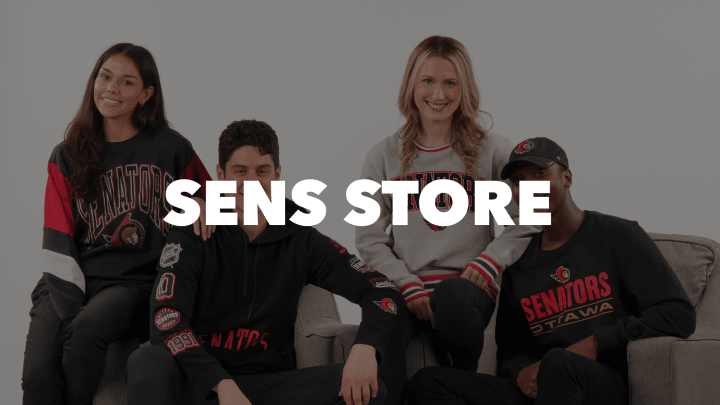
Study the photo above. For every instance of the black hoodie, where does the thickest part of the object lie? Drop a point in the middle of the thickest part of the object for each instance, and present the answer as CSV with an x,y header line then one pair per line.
x,y
228,305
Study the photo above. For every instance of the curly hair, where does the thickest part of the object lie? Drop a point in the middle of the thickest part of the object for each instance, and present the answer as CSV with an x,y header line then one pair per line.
x,y
84,136
252,133
466,133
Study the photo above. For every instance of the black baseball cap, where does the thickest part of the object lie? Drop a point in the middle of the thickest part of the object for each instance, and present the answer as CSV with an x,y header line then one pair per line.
x,y
538,151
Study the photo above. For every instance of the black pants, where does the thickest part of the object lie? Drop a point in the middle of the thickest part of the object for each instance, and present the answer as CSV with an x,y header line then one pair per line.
x,y
461,312
564,378
154,377
64,365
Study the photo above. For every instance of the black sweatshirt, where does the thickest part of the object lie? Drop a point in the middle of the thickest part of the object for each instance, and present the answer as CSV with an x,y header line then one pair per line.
x,y
228,306
609,280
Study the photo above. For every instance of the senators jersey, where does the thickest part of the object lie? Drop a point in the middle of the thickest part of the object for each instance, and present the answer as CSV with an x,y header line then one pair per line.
x,y
608,280
118,238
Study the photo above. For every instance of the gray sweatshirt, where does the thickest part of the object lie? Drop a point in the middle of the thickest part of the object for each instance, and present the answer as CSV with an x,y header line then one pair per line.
x,y
417,256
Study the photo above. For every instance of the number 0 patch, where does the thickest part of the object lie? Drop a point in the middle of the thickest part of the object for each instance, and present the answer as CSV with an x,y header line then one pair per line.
x,y
166,287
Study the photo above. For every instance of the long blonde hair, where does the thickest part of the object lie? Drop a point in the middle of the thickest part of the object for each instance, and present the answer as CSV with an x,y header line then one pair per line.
x,y
466,133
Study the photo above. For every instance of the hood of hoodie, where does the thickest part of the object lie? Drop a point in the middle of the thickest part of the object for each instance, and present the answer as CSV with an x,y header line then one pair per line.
x,y
236,286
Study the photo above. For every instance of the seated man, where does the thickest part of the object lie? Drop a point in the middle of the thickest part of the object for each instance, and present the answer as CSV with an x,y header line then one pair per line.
x,y
587,285
224,309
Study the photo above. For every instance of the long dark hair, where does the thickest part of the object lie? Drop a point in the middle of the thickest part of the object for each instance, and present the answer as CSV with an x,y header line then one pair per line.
x,y
84,136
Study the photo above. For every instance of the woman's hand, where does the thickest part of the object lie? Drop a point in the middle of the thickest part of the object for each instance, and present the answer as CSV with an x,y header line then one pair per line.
x,y
200,225
421,308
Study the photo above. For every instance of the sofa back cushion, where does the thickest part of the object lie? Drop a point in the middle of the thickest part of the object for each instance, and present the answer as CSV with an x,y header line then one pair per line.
x,y
693,259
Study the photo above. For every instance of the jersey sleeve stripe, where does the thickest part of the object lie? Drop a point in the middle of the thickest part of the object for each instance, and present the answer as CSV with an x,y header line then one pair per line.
x,y
58,208
197,172
63,267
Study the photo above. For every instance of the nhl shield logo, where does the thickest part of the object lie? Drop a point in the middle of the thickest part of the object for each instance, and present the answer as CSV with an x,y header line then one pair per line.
x,y
170,255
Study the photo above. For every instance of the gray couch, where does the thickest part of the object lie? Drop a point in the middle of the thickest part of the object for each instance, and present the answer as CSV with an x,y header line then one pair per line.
x,y
663,370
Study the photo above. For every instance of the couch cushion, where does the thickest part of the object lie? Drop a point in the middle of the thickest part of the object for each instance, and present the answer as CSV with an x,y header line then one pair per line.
x,y
692,258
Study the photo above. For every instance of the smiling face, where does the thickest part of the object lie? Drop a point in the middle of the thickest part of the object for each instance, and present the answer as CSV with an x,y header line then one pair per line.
x,y
560,182
437,91
247,163
119,88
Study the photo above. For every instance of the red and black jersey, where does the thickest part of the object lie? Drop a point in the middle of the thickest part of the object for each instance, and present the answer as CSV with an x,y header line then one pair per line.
x,y
228,305
608,280
118,238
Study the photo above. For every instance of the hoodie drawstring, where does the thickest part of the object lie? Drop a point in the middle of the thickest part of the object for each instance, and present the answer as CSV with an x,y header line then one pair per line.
x,y
257,254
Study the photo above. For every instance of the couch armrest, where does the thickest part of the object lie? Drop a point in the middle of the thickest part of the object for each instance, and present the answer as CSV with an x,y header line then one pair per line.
x,y
670,370
323,341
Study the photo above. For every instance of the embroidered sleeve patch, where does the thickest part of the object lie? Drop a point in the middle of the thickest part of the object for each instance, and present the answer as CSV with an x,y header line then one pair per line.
x,y
166,287
170,255
359,265
387,305
166,318
181,341
381,282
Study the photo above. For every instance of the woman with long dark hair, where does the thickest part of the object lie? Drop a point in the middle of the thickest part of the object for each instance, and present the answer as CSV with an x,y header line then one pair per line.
x,y
446,274
104,230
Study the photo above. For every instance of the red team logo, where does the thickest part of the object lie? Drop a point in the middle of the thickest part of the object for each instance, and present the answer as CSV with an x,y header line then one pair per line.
x,y
561,275
524,146
388,305
130,235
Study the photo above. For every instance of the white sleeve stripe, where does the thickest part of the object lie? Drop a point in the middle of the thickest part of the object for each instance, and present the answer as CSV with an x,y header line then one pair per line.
x,y
64,267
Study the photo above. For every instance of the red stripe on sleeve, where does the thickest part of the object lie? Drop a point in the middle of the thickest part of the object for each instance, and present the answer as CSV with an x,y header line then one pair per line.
x,y
497,267
197,172
58,208
410,285
439,277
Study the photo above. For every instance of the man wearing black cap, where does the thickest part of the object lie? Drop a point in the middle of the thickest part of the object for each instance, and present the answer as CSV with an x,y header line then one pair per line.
x,y
587,285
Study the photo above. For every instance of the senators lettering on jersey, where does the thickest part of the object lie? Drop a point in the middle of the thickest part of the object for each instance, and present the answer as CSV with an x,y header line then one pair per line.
x,y
589,301
124,188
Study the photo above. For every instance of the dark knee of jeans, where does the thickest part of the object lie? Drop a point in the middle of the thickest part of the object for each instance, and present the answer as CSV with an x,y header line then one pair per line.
x,y
38,376
554,363
148,363
421,383
453,293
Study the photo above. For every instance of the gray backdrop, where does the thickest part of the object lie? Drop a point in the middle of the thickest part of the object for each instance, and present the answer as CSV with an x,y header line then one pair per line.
x,y
630,89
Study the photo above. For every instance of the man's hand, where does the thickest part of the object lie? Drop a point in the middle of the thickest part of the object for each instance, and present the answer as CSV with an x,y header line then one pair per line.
x,y
473,275
229,393
421,308
527,380
200,226
587,347
359,380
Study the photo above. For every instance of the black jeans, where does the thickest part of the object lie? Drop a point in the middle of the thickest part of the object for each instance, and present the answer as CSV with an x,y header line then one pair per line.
x,y
154,377
564,378
69,361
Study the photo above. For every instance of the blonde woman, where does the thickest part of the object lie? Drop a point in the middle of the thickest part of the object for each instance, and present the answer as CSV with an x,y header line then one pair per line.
x,y
446,274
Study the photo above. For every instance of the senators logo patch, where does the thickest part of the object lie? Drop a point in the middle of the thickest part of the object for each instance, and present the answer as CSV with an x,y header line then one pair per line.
x,y
381,282
170,255
524,146
166,318
562,275
387,305
129,235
